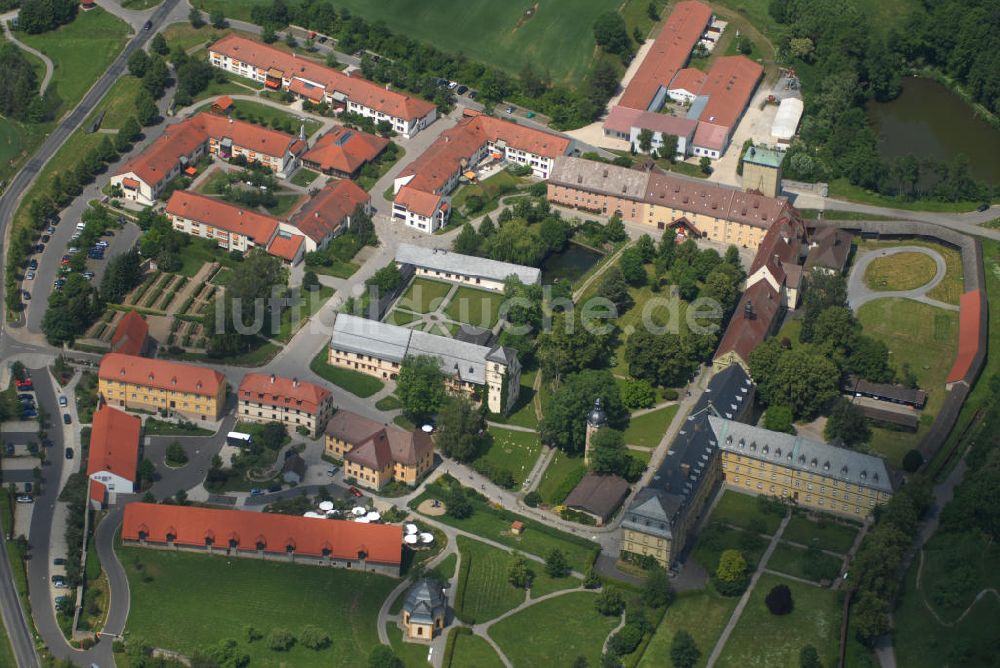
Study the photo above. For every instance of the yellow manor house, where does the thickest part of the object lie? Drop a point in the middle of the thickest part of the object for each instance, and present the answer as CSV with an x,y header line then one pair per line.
x,y
374,453
139,383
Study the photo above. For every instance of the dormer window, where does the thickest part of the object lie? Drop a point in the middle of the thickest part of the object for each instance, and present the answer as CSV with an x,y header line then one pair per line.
x,y
777,452
843,470
826,466
814,462
765,449
864,475
802,459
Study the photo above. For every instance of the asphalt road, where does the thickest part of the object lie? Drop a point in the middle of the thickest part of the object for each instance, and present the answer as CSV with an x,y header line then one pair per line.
x,y
13,615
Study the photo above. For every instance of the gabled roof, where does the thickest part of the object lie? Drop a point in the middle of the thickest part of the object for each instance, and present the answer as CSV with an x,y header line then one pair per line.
x,y
351,427
439,259
257,227
417,201
374,453
282,392
191,526
130,334
729,84
325,213
286,246
114,443
829,248
345,150
752,321
599,495
405,447
690,79
623,119
160,374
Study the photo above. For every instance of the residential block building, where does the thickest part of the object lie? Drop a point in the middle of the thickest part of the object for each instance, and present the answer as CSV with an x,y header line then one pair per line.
x,y
231,227
290,401
329,213
343,152
113,455
477,272
374,453
309,80
241,533
378,349
707,210
144,177
155,385
421,190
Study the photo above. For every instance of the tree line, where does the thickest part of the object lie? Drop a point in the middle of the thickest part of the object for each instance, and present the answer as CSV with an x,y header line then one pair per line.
x,y
38,16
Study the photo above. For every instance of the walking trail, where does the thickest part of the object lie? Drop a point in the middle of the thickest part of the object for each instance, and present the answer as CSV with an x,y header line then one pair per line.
x,y
47,78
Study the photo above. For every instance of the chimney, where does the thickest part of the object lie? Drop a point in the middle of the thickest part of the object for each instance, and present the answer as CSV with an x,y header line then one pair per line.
x,y
295,382
272,377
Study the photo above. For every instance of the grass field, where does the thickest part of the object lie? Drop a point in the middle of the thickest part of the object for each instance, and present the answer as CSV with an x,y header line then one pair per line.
x,y
303,177
311,304
528,638
80,51
471,650
647,430
828,535
414,655
169,608
558,39
950,289
761,639
118,104
487,593
903,271
702,613
516,451
424,295
560,469
716,538
791,560
841,189
474,307
926,338
741,509
490,191
354,382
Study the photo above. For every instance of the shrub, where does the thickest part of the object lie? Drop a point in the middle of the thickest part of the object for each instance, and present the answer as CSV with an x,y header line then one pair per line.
x,y
912,461
610,603
625,641
779,600
670,394
532,499
314,637
638,394
252,633
280,640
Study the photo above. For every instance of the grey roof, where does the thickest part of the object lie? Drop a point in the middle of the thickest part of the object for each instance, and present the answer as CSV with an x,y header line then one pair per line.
x,y
899,394
392,342
597,416
802,454
648,514
438,259
829,248
599,177
424,601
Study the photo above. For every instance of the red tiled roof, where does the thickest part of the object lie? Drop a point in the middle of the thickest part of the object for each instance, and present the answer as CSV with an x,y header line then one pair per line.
x,y
969,323
744,334
355,88
324,213
406,447
130,334
182,139
345,150
711,136
131,183
98,492
283,392
374,453
417,201
223,103
690,79
351,427
668,53
160,374
257,227
300,87
114,443
286,246
729,84
190,526
623,119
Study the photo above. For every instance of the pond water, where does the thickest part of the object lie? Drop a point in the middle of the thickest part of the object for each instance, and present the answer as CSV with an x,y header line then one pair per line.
x,y
570,264
928,120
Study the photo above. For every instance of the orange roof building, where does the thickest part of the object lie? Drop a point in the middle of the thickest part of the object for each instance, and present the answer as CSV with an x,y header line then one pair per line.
x,y
728,88
421,189
241,533
308,79
343,151
114,453
298,404
328,213
130,335
145,176
971,331
154,385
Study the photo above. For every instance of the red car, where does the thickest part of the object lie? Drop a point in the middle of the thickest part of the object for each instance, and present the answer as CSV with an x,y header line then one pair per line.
x,y
355,491
24,384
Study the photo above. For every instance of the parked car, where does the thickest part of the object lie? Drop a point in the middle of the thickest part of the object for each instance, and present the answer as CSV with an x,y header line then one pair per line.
x,y
102,243
59,561
27,401
473,95
25,498
33,264
462,90
51,229
28,487
67,419
452,84
73,250
25,295
69,453
30,276
332,471
111,233
58,581
62,400
256,491
59,283
274,488
355,491
89,275
983,207
25,384
30,413
38,248
322,39
26,397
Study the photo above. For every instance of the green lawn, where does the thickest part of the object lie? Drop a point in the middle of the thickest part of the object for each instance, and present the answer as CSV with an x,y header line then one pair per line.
x,y
424,295
118,104
303,177
761,639
389,403
741,509
414,655
924,336
80,51
841,189
262,114
6,651
561,475
902,271
161,428
950,289
484,592
169,607
559,35
400,317
828,535
716,538
354,382
647,430
213,183
791,560
554,632
471,650
474,307
285,203
337,269
516,451
490,191
702,613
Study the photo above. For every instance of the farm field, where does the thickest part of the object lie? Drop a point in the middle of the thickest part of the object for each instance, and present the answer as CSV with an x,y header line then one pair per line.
x,y
168,604
559,34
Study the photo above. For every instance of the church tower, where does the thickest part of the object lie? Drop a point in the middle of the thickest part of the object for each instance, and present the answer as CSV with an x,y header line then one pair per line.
x,y
595,420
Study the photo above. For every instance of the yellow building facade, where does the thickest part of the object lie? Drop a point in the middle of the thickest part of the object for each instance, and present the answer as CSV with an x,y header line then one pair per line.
x,y
139,383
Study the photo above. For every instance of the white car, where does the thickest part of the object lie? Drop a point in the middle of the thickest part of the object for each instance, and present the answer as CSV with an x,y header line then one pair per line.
x,y
30,276
62,401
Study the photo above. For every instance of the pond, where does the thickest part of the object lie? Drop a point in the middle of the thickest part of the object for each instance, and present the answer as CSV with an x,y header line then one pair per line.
x,y
928,120
570,264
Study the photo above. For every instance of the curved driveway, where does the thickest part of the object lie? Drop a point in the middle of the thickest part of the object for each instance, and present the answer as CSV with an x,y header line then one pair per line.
x,y
858,293
24,47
